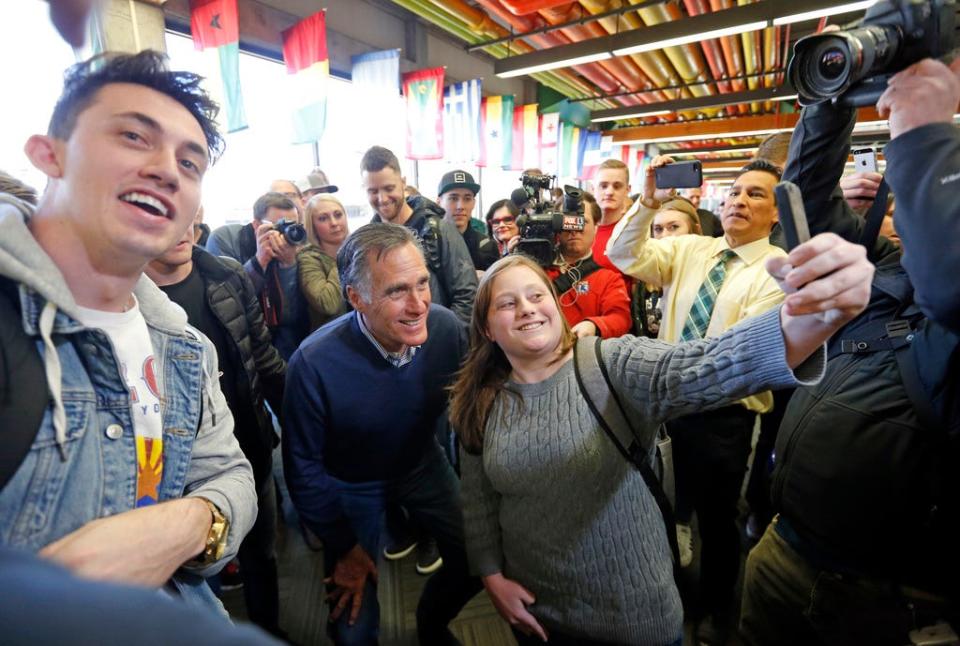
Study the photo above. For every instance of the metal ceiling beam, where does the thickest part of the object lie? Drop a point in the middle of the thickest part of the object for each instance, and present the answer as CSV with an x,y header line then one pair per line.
x,y
690,29
780,93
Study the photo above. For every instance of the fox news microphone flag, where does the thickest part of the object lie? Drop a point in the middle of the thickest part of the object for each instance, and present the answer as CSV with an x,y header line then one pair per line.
x,y
305,54
215,29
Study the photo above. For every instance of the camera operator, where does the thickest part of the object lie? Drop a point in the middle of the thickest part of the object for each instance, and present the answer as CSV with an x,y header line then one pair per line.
x,y
865,485
593,299
267,248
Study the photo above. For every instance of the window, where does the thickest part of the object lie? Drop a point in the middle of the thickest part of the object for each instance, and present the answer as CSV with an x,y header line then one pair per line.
x,y
32,88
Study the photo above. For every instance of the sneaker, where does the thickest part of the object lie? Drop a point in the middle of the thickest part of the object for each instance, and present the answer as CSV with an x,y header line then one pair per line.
x,y
685,543
428,557
230,576
398,549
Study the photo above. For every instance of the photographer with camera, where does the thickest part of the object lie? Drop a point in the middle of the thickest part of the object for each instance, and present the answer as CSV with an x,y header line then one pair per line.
x,y
920,102
865,483
267,248
593,299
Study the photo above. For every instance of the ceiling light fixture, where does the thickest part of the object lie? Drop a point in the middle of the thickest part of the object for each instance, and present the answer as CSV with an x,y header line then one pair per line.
x,y
566,62
691,38
820,13
633,115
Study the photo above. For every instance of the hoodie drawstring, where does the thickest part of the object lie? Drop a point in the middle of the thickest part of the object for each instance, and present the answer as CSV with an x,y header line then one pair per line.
x,y
54,373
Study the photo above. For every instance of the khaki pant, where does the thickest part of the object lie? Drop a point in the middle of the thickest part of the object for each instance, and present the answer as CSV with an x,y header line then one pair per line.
x,y
787,601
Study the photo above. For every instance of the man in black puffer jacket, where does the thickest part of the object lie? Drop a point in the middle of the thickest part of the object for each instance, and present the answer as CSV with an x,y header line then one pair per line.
x,y
221,302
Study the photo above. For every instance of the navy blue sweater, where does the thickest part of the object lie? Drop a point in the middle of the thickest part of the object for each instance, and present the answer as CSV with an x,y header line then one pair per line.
x,y
351,415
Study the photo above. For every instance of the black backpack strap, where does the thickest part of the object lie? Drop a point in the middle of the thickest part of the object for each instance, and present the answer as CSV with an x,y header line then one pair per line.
x,y
23,384
874,217
595,386
910,375
565,281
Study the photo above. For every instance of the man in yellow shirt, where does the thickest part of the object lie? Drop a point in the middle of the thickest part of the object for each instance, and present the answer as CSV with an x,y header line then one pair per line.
x,y
709,285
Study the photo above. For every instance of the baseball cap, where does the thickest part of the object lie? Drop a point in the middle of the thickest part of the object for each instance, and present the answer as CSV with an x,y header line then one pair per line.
x,y
458,179
317,181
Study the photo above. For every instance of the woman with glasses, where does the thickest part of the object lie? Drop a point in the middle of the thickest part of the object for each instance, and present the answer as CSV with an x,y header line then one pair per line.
x,y
502,224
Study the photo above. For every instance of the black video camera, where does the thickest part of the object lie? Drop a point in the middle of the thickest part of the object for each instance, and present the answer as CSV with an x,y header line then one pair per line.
x,y
294,232
851,67
541,221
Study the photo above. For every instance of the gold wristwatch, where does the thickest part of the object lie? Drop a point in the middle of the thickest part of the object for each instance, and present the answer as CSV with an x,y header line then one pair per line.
x,y
216,541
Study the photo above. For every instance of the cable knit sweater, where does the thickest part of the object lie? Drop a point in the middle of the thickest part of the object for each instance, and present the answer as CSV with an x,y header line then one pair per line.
x,y
552,505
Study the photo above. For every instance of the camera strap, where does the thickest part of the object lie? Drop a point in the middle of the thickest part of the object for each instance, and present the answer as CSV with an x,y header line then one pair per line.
x,y
565,281
874,218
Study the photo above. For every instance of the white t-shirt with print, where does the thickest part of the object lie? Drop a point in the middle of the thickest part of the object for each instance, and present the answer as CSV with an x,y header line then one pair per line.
x,y
128,333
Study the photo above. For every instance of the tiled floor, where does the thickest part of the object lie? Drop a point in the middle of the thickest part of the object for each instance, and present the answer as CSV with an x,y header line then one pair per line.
x,y
303,614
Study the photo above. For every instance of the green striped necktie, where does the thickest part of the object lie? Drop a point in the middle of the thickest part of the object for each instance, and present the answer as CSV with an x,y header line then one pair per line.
x,y
698,319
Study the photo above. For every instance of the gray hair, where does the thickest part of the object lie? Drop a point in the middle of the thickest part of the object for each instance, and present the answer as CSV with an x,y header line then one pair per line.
x,y
376,239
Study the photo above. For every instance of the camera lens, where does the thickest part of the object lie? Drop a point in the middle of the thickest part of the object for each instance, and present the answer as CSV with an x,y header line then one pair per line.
x,y
832,63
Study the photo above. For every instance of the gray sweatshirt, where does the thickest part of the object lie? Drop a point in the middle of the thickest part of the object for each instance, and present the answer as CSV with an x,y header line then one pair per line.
x,y
553,505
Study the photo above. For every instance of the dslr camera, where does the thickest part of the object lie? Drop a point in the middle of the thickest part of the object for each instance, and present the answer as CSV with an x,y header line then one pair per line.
x,y
851,67
542,220
292,231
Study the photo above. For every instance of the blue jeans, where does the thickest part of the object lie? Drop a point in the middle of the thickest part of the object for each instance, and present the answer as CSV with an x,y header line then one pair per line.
x,y
430,492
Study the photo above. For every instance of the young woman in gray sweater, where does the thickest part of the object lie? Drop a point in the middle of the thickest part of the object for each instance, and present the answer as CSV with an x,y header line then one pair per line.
x,y
567,537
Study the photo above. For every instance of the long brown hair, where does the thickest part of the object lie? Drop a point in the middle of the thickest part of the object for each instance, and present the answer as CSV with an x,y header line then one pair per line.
x,y
486,367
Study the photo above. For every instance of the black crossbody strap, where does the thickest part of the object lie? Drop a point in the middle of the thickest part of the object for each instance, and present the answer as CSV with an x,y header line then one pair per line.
x,y
874,217
594,383
564,282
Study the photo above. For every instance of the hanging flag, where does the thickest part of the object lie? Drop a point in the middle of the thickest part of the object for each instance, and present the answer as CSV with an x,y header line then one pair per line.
x,y
376,82
423,92
525,151
549,135
592,156
305,54
215,29
461,122
569,147
496,119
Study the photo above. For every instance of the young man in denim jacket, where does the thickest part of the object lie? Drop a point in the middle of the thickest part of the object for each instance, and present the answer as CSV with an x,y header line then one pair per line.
x,y
134,475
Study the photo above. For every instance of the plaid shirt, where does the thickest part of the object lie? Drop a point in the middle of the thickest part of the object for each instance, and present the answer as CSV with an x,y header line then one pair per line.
x,y
396,359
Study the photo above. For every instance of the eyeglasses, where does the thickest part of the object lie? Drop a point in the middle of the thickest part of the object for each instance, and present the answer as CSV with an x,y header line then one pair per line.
x,y
504,221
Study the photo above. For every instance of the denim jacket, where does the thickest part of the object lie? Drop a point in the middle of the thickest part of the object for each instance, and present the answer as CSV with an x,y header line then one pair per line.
x,y
82,464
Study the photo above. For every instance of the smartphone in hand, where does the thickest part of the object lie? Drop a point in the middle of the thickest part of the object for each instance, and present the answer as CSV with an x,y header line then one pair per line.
x,y
680,175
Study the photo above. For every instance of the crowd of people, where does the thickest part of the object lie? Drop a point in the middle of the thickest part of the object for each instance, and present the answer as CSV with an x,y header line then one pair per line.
x,y
421,377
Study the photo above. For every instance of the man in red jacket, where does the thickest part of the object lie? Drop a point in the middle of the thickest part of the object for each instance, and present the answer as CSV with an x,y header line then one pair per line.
x,y
594,299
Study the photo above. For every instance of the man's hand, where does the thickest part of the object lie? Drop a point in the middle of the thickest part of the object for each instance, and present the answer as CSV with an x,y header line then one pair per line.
x,y
349,578
144,546
860,189
267,244
926,92
511,600
650,190
585,328
827,276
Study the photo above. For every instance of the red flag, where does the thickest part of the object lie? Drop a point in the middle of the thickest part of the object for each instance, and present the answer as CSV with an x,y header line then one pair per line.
x,y
214,23
305,54
306,43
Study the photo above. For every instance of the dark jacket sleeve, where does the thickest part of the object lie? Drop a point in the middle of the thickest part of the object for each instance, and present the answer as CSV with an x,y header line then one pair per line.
x,y
923,168
311,489
457,272
818,152
270,366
